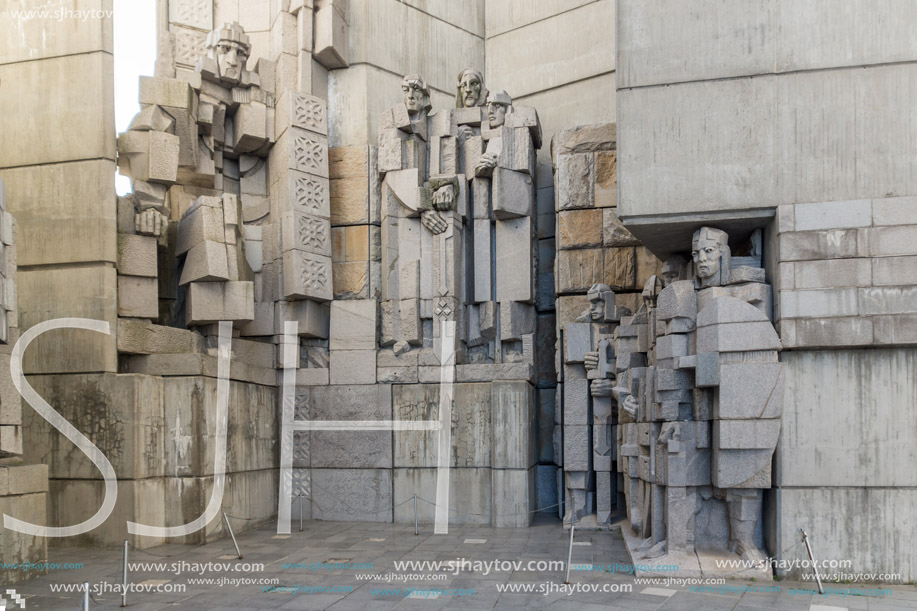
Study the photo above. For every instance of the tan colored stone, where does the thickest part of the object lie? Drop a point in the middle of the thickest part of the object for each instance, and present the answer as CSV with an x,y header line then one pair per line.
x,y
351,279
137,337
614,233
586,138
579,228
348,162
137,255
84,292
569,308
73,202
606,179
138,297
70,117
647,265
577,270
620,268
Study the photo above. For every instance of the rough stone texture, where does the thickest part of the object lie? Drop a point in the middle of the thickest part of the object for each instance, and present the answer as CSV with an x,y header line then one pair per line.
x,y
470,495
352,495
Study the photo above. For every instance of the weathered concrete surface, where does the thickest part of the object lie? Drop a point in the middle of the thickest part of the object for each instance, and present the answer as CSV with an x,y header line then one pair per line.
x,y
846,420
701,164
469,495
16,548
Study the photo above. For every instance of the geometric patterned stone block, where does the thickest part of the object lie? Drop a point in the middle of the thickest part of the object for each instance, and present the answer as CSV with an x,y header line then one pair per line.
x,y
194,13
303,111
307,275
305,232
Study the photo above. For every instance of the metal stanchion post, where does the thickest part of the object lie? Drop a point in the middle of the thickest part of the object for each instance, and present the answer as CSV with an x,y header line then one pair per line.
x,y
124,576
570,552
300,511
416,532
84,604
805,539
231,534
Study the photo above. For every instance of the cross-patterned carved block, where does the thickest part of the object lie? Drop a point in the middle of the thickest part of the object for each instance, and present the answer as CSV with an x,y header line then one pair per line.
x,y
301,449
194,13
305,193
309,113
302,486
307,275
305,151
300,231
189,46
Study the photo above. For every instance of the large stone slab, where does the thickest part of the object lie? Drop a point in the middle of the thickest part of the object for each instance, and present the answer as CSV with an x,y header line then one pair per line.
x,y
472,426
352,495
513,414
470,494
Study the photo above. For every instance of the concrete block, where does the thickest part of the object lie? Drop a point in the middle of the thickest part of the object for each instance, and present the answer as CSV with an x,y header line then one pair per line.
x,y
579,228
513,194
894,211
513,497
331,39
834,215
312,318
137,255
353,366
209,302
833,332
470,493
891,241
574,181
138,297
136,337
614,234
514,260
335,449
353,325
898,329
737,337
206,261
74,108
577,447
887,300
749,391
513,424
360,495
577,270
833,273
818,245
472,425
307,275
578,341
893,271
818,303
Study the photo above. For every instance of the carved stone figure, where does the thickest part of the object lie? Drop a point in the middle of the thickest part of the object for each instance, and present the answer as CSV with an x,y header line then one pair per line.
x,y
698,393
219,156
470,91
457,200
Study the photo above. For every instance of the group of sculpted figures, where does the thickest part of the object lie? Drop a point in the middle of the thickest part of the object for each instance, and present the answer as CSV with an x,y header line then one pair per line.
x,y
457,232
685,394
697,387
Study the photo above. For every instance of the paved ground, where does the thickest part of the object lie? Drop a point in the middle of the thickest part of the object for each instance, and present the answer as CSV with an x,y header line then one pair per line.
x,y
340,588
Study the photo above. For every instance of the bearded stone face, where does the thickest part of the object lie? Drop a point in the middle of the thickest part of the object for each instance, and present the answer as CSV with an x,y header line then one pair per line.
x,y
470,87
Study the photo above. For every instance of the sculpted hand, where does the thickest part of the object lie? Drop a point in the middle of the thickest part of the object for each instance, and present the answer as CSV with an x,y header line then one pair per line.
x,y
465,132
591,360
485,165
602,388
433,220
150,222
443,197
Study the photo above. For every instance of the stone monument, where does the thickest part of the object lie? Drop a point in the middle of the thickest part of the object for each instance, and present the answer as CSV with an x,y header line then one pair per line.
x,y
23,487
699,392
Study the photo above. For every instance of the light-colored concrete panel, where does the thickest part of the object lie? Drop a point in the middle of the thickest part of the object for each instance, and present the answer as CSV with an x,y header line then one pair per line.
x,y
70,116
504,15
666,41
846,134
65,213
83,292
403,40
358,96
848,419
865,525
468,15
696,147
812,35
60,28
569,47
581,103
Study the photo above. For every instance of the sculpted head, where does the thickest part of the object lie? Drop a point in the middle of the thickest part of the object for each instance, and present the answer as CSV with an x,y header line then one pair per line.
x,y
470,90
711,254
498,103
596,296
416,94
230,47
673,269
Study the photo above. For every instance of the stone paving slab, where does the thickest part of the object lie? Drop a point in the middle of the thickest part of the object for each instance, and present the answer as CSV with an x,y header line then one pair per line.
x,y
309,585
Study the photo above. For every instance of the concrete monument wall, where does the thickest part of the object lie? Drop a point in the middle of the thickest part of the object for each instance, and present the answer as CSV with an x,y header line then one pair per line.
x,y
796,118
